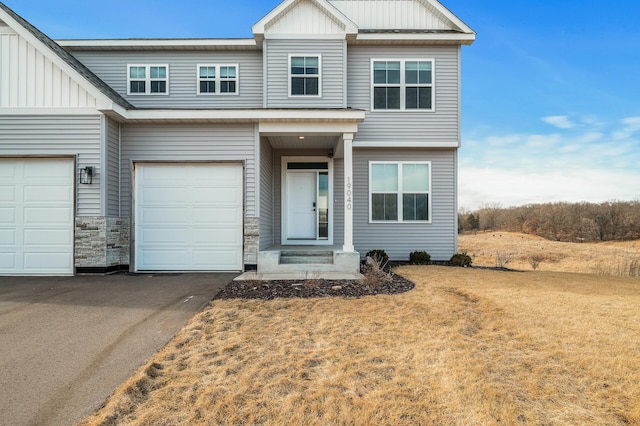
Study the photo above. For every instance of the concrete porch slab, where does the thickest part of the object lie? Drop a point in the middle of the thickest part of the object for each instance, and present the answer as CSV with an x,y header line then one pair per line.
x,y
297,276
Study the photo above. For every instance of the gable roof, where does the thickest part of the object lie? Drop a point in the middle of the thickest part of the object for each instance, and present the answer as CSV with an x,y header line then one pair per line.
x,y
280,11
61,56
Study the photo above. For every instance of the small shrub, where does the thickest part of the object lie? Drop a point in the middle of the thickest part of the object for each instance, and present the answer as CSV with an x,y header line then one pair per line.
x,y
503,258
461,259
375,271
378,254
534,260
419,258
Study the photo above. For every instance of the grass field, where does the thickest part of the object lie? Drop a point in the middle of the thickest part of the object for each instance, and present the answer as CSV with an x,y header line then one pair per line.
x,y
608,258
466,347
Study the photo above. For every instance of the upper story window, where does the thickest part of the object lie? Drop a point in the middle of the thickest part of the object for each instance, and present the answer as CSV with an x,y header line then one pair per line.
x,y
402,85
399,191
218,79
147,79
304,76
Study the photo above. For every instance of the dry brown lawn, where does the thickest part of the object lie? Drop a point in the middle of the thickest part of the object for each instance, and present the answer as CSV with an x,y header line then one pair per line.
x,y
466,347
608,258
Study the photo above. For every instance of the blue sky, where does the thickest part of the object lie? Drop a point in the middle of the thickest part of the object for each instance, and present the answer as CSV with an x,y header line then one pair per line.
x,y
550,89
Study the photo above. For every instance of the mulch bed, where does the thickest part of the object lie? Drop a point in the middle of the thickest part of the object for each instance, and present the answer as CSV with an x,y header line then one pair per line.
x,y
268,290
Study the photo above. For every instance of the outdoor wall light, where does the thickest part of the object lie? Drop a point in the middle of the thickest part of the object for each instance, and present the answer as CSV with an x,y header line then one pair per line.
x,y
86,175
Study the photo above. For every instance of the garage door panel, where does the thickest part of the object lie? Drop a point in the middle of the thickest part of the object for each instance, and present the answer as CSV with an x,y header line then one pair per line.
x,y
48,262
217,258
189,217
217,215
47,193
165,236
159,259
7,216
46,237
162,215
7,261
216,237
57,168
7,237
229,195
47,216
8,169
7,193
163,195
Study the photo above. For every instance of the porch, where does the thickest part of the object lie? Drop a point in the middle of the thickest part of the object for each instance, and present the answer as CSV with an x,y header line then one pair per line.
x,y
305,199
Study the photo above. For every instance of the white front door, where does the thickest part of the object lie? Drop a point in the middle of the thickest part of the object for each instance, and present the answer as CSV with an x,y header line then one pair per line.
x,y
302,199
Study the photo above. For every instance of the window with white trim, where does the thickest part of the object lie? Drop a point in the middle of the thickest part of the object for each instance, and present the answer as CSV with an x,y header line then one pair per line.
x,y
402,85
218,79
147,79
399,191
304,76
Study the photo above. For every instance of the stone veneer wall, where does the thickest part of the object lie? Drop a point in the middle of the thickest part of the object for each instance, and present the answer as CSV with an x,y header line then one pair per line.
x,y
101,243
251,240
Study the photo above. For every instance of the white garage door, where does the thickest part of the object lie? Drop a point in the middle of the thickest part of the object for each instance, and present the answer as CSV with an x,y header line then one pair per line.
x,y
188,217
36,216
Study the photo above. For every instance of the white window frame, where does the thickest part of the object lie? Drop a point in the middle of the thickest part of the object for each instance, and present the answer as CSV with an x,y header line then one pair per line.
x,y
400,192
218,80
147,80
403,85
319,75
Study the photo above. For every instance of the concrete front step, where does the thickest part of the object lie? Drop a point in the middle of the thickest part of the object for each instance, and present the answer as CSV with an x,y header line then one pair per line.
x,y
320,259
311,261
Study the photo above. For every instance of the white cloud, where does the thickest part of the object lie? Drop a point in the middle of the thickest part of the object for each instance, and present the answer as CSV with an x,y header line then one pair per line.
x,y
559,121
631,126
483,186
585,163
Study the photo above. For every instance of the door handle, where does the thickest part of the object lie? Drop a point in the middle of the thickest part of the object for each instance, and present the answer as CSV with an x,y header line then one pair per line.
x,y
314,206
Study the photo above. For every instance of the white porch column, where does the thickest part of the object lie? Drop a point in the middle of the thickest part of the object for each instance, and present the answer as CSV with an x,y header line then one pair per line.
x,y
347,139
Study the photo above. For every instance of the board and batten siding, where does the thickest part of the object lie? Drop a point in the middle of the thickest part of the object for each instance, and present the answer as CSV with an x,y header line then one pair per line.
x,y
111,67
113,169
438,238
267,238
30,79
58,135
184,143
441,126
332,53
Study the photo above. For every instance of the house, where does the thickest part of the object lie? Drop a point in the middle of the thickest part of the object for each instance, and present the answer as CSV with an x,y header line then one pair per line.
x,y
334,129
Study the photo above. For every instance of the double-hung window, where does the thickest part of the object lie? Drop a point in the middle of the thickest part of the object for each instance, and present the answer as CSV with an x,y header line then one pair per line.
x,y
400,191
147,79
218,79
304,76
402,85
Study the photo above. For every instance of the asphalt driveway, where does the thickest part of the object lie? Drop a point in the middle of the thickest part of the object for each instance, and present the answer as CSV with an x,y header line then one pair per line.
x,y
66,343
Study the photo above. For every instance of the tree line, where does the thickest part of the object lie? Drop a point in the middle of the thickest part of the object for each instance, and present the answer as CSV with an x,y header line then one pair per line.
x,y
571,222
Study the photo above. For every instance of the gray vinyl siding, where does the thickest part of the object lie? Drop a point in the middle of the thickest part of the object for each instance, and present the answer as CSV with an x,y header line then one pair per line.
x,y
58,135
332,53
267,237
438,238
111,67
196,142
441,126
113,169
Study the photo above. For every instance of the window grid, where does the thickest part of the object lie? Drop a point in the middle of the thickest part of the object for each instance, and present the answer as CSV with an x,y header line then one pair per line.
x,y
147,79
304,75
402,84
403,198
217,79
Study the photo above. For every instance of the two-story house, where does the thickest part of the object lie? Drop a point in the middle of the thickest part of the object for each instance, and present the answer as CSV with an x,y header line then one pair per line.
x,y
335,129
